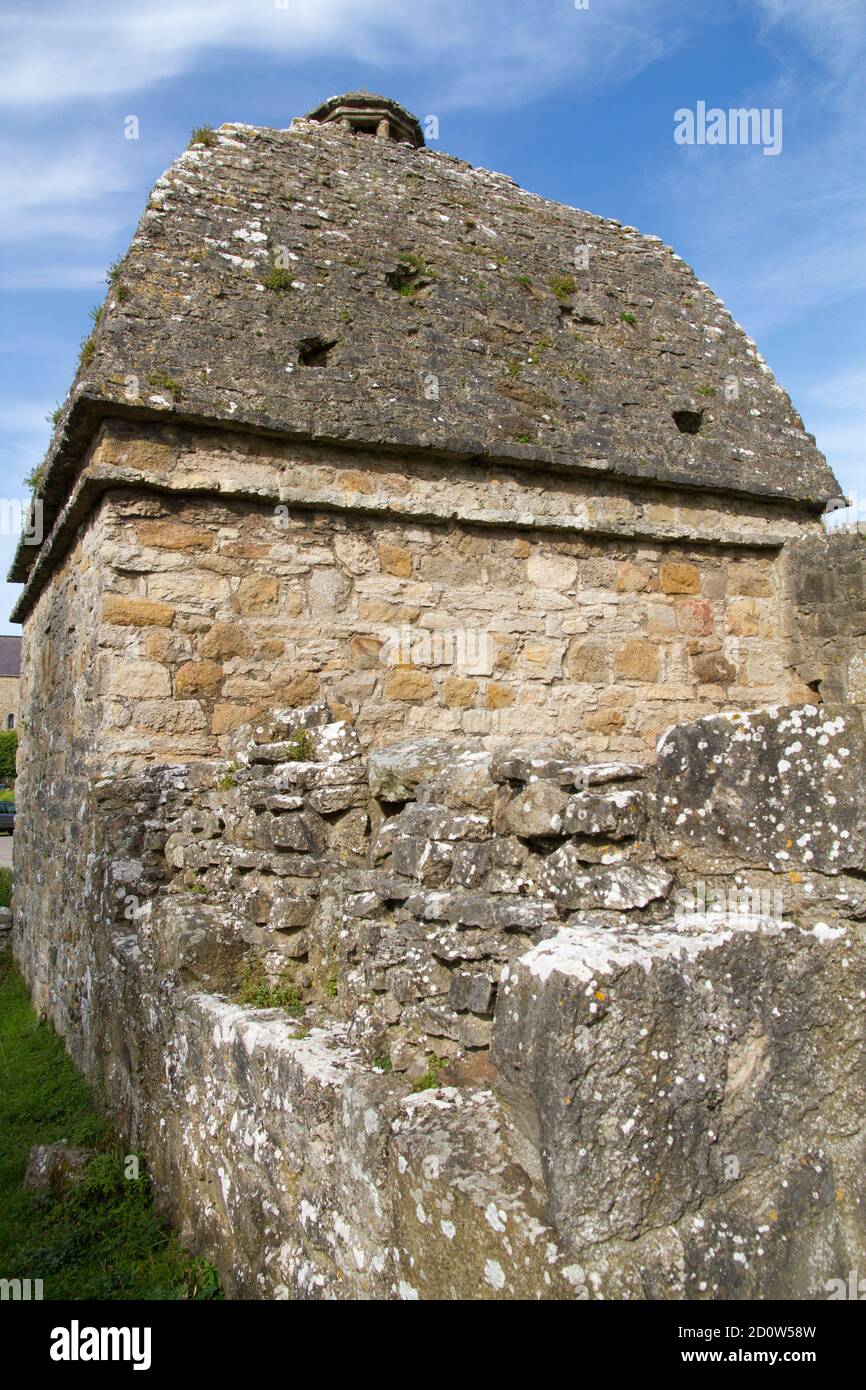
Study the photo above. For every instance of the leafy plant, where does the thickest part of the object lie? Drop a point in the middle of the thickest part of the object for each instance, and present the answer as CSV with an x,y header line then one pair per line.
x,y
563,287
277,278
203,135
430,1080
255,991
163,382
8,754
301,748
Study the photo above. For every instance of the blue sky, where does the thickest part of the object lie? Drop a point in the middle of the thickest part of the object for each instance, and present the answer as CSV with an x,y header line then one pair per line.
x,y
575,103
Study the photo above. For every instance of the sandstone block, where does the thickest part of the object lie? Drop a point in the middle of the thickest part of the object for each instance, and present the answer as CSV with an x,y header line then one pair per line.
x,y
679,578
134,680
498,696
366,651
173,535
300,689
549,571
632,578
408,683
225,640
604,721
258,594
396,560
742,617
135,612
459,692
198,678
636,660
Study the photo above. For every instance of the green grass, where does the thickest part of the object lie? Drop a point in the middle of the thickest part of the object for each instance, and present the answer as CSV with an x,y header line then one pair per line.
x,y
563,286
255,991
278,278
430,1080
301,748
203,135
5,899
102,1240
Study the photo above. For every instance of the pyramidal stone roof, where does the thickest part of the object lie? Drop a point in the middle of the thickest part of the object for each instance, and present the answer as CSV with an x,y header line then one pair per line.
x,y
325,283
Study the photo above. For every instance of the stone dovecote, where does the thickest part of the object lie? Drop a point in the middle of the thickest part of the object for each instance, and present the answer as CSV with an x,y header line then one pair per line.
x,y
433,828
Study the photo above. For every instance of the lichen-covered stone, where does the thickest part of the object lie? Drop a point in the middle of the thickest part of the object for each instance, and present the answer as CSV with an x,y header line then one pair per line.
x,y
781,788
726,1098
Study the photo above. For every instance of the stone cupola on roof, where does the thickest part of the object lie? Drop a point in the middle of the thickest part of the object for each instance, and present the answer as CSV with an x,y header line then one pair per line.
x,y
370,114
315,284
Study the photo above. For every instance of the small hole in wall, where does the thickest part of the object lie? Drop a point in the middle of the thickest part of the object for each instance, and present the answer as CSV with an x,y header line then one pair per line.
x,y
688,421
315,352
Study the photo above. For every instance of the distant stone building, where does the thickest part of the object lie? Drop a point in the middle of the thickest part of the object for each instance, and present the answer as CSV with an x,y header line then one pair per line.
x,y
10,672
394,516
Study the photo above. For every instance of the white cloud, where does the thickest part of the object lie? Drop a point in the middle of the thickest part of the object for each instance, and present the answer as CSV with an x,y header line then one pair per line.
x,y
782,237
60,191
836,406
499,50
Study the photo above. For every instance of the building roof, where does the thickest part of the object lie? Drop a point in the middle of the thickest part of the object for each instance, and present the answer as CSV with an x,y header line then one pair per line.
x,y
10,656
326,284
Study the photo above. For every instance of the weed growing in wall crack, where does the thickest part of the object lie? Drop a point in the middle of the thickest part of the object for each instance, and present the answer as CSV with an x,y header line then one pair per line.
x,y
256,992
301,748
430,1080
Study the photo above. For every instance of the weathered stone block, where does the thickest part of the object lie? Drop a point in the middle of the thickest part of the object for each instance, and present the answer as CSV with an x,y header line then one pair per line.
x,y
536,811
778,788
567,880
636,660
394,772
679,578
198,678
618,814
135,612
691,1057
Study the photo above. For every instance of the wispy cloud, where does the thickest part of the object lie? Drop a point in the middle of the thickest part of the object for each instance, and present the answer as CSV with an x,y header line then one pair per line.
x,y
836,406
65,52
783,236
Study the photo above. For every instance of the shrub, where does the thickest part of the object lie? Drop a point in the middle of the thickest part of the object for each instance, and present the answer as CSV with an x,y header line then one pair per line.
x,y
8,754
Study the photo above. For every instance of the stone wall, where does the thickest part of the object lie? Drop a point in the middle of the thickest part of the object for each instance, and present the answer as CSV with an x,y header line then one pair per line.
x,y
236,576
9,700
824,583
632,997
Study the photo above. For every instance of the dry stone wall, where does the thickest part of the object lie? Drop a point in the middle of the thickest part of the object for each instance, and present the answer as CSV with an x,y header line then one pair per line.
x,y
545,1037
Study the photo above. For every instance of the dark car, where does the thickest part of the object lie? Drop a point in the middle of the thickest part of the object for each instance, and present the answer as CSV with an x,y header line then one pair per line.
x,y
7,816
